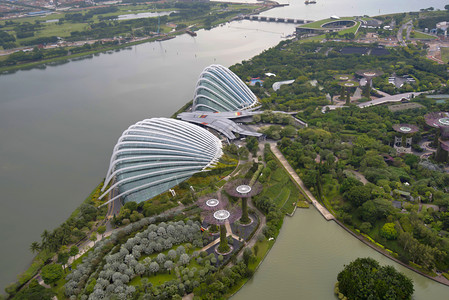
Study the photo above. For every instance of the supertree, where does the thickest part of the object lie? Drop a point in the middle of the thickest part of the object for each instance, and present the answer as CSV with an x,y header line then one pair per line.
x,y
440,120
212,203
403,143
346,89
220,218
241,188
368,75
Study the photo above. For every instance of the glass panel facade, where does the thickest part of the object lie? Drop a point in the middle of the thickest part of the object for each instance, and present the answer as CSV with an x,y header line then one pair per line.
x,y
157,154
218,90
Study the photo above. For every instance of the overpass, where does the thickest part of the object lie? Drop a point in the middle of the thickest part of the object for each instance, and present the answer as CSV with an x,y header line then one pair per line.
x,y
383,100
275,19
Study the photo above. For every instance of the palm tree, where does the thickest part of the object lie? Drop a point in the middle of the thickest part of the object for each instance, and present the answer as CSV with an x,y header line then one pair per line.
x,y
45,238
35,247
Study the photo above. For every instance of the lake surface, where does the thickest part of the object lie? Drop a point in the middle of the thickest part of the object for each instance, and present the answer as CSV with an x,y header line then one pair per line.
x,y
58,126
307,257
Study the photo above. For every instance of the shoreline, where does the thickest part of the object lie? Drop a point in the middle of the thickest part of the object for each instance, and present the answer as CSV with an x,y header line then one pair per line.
x,y
34,64
439,279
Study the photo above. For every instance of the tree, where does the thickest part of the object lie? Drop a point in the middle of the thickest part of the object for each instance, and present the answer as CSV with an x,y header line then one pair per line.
x,y
93,237
172,254
247,254
184,259
35,247
52,273
154,267
160,258
101,230
63,257
252,144
168,265
34,291
348,183
74,250
364,278
358,195
365,227
389,232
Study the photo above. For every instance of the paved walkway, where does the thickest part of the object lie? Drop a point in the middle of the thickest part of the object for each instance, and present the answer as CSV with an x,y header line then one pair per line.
x,y
324,212
228,233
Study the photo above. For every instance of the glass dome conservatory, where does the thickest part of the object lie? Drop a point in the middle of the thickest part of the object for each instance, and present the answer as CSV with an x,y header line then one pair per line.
x,y
157,154
218,89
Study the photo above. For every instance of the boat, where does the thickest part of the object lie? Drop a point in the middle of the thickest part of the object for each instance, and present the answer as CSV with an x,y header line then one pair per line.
x,y
310,2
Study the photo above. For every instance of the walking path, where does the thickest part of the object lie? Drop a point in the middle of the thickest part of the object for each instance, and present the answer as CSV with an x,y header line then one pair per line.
x,y
216,241
324,212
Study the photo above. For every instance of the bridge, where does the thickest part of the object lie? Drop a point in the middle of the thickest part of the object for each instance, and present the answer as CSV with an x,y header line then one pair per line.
x,y
275,19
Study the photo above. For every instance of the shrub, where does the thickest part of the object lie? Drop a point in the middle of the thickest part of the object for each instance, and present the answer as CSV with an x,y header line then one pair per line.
x,y
389,232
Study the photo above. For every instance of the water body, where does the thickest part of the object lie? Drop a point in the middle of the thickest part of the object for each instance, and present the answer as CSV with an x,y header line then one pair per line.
x,y
307,257
58,126
326,8
144,15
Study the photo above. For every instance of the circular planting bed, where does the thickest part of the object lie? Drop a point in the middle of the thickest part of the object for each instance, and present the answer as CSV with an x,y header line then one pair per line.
x,y
229,252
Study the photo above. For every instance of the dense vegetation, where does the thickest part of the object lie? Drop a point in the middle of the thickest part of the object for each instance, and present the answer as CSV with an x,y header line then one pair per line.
x,y
321,62
342,147
364,278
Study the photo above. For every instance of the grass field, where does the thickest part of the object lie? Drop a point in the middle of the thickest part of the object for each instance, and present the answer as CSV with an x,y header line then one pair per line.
x,y
444,54
282,190
422,35
318,24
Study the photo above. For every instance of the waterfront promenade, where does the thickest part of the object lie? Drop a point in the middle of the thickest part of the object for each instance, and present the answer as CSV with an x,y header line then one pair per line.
x,y
323,211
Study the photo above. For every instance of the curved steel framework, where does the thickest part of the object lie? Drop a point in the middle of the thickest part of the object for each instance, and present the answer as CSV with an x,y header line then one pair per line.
x,y
218,89
156,154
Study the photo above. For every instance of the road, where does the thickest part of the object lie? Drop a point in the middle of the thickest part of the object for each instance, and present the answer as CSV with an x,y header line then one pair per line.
x,y
408,26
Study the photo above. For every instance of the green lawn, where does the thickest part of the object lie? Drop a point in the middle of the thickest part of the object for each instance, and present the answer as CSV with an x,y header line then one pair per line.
x,y
318,24
422,35
158,279
445,54
281,189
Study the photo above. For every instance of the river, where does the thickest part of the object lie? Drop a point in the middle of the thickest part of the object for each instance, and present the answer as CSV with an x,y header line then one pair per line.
x,y
58,125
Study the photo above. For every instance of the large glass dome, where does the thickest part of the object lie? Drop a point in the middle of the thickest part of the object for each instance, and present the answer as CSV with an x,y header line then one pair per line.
x,y
157,154
219,90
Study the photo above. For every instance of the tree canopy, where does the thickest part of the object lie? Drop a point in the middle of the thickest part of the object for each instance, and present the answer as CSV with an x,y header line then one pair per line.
x,y
364,278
